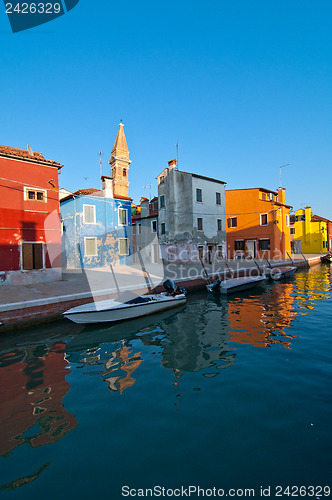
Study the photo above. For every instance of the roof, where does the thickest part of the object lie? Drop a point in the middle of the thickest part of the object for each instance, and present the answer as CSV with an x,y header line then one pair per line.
x,y
317,218
93,192
208,178
23,154
251,189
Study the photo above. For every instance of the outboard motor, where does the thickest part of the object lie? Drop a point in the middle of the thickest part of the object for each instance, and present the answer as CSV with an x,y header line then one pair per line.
x,y
172,288
215,287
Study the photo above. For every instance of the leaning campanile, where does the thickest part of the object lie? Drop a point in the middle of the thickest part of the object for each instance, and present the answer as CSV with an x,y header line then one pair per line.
x,y
119,163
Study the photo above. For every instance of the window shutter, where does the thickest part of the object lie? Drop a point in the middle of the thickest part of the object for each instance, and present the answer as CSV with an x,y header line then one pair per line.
x,y
27,255
38,255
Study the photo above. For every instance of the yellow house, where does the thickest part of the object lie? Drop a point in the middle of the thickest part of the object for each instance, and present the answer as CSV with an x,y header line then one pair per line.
x,y
311,230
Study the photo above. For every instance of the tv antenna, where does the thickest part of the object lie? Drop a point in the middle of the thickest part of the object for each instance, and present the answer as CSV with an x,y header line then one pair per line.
x,y
100,167
177,155
282,166
148,186
29,148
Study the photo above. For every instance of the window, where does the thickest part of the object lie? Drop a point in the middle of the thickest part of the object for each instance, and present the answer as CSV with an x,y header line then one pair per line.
x,y
163,228
264,244
161,179
89,214
323,244
154,226
218,198
264,220
122,217
139,228
239,245
200,252
162,201
90,247
219,224
123,246
32,256
124,173
200,224
199,195
36,195
287,220
232,222
292,230
300,218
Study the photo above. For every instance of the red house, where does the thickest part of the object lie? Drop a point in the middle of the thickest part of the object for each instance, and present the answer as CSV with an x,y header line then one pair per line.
x,y
30,230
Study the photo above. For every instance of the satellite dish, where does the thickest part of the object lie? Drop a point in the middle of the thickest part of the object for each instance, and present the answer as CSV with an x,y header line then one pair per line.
x,y
29,150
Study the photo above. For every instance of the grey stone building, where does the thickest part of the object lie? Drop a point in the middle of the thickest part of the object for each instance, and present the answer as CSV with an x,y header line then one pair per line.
x,y
191,218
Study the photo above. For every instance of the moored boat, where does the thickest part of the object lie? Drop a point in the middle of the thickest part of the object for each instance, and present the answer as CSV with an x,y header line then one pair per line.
x,y
326,258
279,273
234,285
128,305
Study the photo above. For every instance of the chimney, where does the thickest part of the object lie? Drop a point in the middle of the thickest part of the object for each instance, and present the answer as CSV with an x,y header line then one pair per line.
x,y
107,186
281,195
172,164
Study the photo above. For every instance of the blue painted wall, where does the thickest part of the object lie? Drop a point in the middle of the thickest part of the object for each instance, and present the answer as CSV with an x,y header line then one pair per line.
x,y
107,230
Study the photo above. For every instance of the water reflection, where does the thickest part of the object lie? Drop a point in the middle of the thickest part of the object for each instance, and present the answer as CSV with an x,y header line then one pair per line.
x,y
200,337
32,386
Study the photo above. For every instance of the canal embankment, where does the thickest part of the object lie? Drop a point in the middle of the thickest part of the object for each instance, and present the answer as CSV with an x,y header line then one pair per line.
x,y
20,305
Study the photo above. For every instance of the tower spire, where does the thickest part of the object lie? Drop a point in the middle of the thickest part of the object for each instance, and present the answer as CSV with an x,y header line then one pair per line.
x,y
119,163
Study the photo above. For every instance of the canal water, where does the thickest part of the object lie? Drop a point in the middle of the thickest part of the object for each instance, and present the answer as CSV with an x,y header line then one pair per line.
x,y
231,394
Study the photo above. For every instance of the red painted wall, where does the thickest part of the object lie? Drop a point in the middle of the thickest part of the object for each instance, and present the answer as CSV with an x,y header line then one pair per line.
x,y
28,220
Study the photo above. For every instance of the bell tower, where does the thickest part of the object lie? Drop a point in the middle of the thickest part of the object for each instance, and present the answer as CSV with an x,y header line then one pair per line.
x,y
119,163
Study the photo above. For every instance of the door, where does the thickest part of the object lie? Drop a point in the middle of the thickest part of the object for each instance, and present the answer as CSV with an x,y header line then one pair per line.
x,y
251,249
210,252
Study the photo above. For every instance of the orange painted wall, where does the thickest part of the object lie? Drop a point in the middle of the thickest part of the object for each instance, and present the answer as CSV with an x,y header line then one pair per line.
x,y
246,205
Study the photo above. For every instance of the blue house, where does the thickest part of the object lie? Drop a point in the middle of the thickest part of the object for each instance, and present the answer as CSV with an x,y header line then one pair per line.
x,y
96,224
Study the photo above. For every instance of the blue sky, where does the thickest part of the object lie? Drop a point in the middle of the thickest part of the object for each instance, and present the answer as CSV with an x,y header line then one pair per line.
x,y
243,87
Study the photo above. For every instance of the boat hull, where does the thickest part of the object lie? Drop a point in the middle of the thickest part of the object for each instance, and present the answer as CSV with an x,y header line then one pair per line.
x,y
279,273
235,285
110,311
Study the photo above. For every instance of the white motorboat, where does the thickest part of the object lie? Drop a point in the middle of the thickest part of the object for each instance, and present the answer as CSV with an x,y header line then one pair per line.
x,y
279,273
233,285
128,305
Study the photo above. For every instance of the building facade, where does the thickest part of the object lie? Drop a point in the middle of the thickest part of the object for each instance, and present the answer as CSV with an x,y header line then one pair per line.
x,y
30,236
191,217
258,223
145,232
312,233
96,224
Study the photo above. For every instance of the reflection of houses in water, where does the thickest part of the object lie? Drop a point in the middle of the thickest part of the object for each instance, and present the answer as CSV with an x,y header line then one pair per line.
x,y
195,340
32,386
262,320
312,286
122,360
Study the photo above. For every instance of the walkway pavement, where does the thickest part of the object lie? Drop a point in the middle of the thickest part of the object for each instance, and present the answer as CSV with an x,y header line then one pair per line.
x,y
79,286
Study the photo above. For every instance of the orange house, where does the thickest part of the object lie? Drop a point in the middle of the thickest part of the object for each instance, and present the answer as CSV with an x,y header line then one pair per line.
x,y
257,223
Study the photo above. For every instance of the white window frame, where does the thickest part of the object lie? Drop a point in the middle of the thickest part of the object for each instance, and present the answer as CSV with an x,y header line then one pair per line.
x,y
127,240
287,220
85,240
231,222
26,196
152,231
267,218
201,192
94,214
126,217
